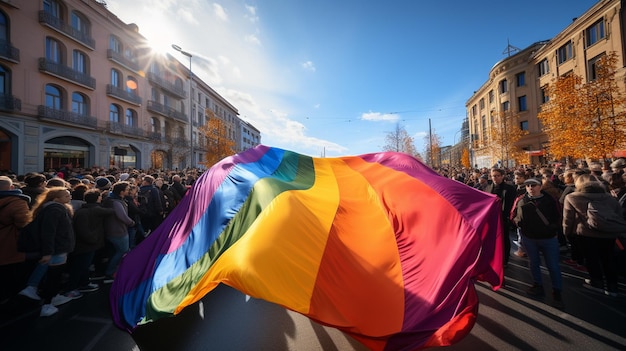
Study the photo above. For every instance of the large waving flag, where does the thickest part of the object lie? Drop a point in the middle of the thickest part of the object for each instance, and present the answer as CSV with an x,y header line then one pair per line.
x,y
378,246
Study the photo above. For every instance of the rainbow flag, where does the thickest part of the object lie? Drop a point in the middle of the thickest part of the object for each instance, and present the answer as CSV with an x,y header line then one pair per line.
x,y
378,246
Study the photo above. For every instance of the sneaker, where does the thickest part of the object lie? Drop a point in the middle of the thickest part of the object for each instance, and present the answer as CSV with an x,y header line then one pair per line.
x,y
89,287
593,287
30,292
60,299
48,310
108,279
535,290
74,294
97,277
570,262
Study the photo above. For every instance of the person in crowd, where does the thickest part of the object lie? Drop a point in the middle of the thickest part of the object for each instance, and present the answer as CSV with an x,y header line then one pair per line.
x,y
597,247
519,177
78,194
57,182
116,227
136,234
89,230
483,182
54,213
14,215
35,185
150,203
576,260
177,187
507,194
538,217
618,166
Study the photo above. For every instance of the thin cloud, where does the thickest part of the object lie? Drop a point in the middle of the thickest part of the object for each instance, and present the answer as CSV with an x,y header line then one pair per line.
x,y
251,38
309,66
220,12
377,116
251,14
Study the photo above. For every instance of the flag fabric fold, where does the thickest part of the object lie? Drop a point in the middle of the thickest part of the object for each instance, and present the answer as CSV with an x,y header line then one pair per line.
x,y
378,246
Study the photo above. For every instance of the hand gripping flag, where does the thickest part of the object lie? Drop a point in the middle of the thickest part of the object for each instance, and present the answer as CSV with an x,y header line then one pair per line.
x,y
378,246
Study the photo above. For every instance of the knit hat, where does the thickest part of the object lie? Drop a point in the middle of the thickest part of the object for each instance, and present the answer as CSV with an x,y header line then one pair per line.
x,y
102,183
124,176
532,181
619,163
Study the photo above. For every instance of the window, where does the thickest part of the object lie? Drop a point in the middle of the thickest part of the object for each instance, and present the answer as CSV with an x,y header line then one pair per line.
x,y
80,62
5,81
53,50
79,23
504,87
505,106
565,52
474,110
154,125
481,103
521,79
115,44
523,125
491,96
79,104
114,113
594,33
115,78
52,7
544,67
521,103
4,28
592,67
544,95
131,118
53,97
131,85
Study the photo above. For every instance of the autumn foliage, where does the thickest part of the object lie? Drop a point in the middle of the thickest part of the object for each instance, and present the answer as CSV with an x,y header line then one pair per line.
x,y
218,144
586,120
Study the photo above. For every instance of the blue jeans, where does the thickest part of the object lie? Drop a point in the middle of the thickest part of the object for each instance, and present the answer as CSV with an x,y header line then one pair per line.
x,y
551,255
120,245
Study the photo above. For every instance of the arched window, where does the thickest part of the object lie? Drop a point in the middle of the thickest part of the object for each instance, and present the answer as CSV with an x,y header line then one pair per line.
x,y
80,23
131,85
4,27
54,51
80,104
115,44
131,118
116,80
54,97
114,113
81,62
5,81
53,8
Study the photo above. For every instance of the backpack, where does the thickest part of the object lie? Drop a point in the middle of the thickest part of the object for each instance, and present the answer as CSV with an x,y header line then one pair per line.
x,y
143,199
602,217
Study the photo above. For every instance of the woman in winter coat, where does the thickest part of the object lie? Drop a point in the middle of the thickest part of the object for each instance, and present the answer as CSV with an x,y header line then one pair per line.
x,y
597,246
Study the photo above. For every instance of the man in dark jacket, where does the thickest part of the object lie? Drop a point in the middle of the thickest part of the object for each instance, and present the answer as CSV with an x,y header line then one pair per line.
x,y
178,187
537,215
507,194
14,215
150,203
89,230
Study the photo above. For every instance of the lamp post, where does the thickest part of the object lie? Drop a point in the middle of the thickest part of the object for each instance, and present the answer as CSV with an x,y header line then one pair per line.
x,y
456,146
179,49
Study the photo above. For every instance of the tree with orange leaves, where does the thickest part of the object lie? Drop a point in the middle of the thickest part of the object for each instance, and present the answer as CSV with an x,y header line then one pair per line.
x,y
465,158
219,145
505,132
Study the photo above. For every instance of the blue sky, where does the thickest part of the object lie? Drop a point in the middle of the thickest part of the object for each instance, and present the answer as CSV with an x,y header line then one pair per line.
x,y
334,77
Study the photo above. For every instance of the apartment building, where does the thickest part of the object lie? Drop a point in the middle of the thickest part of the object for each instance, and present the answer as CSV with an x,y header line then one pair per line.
x,y
516,84
80,87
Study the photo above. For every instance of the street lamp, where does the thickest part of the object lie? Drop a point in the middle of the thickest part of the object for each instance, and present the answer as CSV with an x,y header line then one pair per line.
x,y
179,49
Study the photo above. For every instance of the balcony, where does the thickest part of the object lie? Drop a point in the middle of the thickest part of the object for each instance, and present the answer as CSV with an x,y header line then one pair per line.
x,y
45,112
124,95
166,111
9,52
123,129
10,103
119,58
61,71
155,136
177,141
58,25
167,86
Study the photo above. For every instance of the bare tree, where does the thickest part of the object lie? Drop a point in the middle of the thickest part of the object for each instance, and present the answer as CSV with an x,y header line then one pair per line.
x,y
399,140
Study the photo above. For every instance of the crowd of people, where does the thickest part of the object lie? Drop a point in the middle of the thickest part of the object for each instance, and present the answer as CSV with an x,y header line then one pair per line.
x,y
546,208
63,233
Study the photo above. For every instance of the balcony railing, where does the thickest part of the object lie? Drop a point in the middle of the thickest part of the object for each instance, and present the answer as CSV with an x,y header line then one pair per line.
x,y
170,87
155,136
46,112
123,94
122,60
62,27
10,103
64,72
9,52
119,128
166,111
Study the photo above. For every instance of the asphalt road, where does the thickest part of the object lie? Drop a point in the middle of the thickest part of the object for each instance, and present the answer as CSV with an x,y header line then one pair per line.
x,y
228,320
